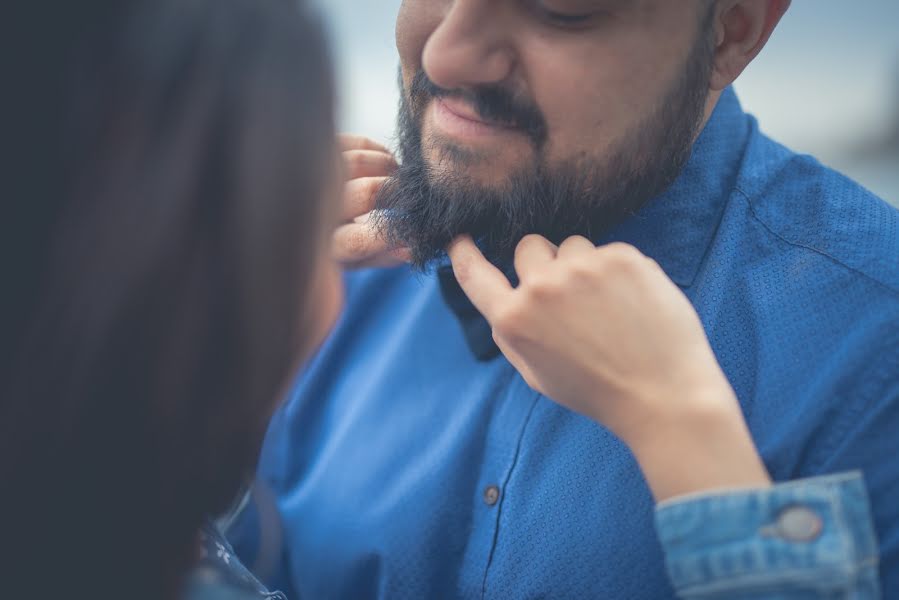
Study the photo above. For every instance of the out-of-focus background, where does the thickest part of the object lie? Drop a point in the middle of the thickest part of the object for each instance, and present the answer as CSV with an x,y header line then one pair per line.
x,y
827,84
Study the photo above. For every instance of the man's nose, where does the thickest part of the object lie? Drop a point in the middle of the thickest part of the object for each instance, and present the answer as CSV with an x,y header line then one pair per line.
x,y
469,47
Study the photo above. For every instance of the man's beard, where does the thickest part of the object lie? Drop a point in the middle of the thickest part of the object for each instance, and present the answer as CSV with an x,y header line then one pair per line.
x,y
424,208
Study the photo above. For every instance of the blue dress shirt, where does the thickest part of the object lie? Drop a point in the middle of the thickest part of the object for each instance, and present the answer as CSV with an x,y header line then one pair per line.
x,y
411,462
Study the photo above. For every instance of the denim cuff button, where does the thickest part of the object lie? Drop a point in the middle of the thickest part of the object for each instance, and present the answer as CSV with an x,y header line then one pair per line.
x,y
799,524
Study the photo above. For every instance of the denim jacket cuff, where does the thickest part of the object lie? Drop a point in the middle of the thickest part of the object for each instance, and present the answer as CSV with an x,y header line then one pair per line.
x,y
813,534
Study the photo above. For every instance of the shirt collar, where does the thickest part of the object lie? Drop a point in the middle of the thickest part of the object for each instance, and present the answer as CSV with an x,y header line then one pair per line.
x,y
676,227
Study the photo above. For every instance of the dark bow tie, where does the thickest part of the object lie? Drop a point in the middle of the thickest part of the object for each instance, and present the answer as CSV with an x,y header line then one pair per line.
x,y
478,333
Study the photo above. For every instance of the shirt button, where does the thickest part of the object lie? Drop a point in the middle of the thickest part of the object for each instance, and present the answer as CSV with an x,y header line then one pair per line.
x,y
799,524
491,495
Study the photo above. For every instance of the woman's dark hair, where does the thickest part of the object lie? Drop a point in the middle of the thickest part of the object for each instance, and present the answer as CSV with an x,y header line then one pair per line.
x,y
161,221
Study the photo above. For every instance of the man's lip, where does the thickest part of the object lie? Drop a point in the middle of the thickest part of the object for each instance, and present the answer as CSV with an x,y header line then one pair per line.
x,y
463,110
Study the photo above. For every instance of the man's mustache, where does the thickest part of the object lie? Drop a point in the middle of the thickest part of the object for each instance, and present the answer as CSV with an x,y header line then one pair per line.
x,y
493,104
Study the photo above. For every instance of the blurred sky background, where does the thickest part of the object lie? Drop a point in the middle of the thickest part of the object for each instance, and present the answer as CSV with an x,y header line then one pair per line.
x,y
827,83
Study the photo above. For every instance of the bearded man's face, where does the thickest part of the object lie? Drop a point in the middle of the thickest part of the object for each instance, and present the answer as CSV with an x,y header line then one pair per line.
x,y
556,117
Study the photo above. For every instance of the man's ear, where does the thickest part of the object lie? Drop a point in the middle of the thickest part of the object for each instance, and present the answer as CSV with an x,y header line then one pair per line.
x,y
741,29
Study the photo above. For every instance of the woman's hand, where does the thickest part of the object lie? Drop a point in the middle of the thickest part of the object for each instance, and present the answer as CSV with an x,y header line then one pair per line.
x,y
356,243
604,332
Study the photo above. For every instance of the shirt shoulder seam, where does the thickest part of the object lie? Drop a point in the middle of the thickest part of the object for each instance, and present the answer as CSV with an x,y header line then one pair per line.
x,y
892,291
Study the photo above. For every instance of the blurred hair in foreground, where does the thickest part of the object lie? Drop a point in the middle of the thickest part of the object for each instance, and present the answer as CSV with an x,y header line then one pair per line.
x,y
162,208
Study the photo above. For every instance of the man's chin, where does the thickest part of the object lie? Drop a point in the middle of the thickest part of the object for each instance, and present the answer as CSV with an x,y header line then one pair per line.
x,y
469,168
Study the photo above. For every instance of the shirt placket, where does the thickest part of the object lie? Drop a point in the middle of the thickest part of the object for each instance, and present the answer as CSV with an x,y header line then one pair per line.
x,y
504,436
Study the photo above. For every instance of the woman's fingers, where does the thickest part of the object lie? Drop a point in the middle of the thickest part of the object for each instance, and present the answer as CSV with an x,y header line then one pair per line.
x,y
368,163
347,142
485,285
358,245
533,252
359,196
574,246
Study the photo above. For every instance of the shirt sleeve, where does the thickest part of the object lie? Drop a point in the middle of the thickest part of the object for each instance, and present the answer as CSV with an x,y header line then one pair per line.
x,y
801,539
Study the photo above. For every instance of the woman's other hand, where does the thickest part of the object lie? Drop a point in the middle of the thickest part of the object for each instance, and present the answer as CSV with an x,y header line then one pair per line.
x,y
356,242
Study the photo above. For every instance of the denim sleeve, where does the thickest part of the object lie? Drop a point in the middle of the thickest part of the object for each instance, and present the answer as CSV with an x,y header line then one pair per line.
x,y
810,538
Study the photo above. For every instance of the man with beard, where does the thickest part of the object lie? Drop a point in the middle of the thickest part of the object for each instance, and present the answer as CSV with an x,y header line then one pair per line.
x,y
415,459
